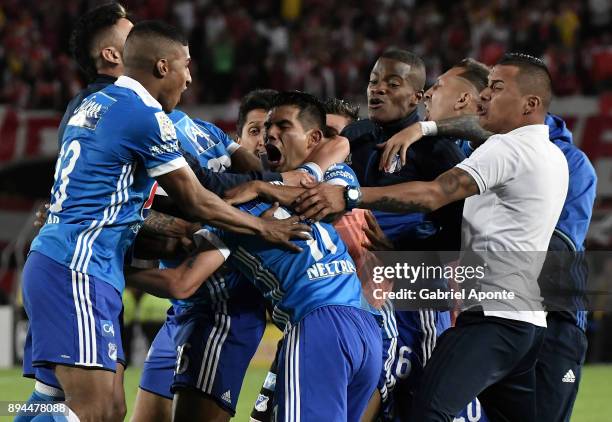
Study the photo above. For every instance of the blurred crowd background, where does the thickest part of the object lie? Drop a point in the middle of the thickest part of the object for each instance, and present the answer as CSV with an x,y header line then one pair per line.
x,y
320,46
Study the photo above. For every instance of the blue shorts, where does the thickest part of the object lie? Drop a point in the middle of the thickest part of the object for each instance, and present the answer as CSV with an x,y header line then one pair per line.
x,y
74,319
329,365
158,368
215,345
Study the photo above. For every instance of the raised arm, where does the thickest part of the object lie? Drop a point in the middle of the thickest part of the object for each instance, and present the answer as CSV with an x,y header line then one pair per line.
x,y
463,127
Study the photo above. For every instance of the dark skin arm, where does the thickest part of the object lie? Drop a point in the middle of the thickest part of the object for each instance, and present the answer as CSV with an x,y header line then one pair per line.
x,y
450,186
202,205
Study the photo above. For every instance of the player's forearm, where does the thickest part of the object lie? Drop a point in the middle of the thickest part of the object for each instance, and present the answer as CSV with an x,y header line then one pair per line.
x,y
284,195
211,209
464,127
180,282
404,198
166,225
329,152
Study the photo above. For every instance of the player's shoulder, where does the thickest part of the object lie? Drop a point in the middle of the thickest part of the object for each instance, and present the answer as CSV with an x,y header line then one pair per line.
x,y
358,129
577,160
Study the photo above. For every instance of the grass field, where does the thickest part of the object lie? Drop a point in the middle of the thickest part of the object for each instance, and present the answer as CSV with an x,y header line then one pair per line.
x,y
594,402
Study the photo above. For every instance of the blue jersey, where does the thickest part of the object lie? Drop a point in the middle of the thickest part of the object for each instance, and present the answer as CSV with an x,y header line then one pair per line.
x,y
205,141
212,149
227,281
296,283
116,141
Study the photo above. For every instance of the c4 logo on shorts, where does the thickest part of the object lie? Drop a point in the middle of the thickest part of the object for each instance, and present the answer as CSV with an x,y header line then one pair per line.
x,y
108,330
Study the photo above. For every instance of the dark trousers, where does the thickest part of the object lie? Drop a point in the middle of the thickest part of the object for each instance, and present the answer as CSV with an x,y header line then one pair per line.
x,y
492,358
559,368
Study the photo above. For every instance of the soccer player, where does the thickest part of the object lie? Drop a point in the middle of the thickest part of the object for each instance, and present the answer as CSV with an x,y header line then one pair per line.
x,y
338,114
507,169
97,199
97,46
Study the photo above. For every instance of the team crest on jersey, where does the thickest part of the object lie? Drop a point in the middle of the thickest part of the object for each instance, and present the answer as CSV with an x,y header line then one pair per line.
x,y
261,404
90,111
166,128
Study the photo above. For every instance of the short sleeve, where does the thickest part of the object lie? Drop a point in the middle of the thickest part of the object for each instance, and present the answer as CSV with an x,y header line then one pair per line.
x,y
156,144
214,237
340,174
492,164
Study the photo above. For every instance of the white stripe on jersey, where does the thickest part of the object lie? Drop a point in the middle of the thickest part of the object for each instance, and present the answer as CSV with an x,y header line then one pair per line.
x,y
85,240
123,198
82,241
262,274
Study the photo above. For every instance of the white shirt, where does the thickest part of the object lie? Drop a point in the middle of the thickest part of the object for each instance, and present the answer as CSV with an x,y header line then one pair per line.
x,y
522,178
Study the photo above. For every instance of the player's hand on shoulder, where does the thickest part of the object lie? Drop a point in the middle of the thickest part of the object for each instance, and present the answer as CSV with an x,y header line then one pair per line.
x,y
41,215
280,232
398,145
296,178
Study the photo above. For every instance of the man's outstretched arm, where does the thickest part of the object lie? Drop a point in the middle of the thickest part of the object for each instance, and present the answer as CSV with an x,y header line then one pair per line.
x,y
450,186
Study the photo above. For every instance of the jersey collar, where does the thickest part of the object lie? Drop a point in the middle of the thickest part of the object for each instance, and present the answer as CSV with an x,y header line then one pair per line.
x,y
141,91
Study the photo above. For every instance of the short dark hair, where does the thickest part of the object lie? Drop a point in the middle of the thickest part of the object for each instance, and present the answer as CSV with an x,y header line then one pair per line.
x,y
417,65
149,40
474,72
342,108
257,99
533,76
87,28
157,29
312,112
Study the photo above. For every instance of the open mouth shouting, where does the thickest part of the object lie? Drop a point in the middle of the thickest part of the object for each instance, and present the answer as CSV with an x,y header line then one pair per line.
x,y
275,154
375,103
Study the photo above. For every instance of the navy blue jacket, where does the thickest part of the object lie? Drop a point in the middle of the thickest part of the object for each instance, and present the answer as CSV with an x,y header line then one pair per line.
x,y
425,160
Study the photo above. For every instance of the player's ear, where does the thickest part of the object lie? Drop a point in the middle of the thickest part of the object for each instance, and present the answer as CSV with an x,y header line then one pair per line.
x,y
161,68
532,102
111,55
314,137
463,101
416,98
